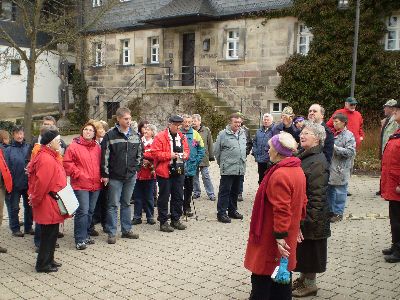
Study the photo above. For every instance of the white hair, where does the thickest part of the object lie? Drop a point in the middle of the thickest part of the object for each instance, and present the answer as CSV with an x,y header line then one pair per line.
x,y
317,129
197,117
267,115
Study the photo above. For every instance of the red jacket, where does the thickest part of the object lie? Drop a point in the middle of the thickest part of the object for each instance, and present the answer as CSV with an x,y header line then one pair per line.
x,y
286,206
5,173
161,151
354,123
390,177
46,174
82,163
147,172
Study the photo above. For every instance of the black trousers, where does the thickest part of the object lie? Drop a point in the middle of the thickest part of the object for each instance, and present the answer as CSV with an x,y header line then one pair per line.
x,y
100,211
264,288
394,216
262,167
48,240
188,191
173,187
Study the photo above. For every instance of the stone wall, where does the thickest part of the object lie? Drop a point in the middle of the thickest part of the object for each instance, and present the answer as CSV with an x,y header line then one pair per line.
x,y
249,80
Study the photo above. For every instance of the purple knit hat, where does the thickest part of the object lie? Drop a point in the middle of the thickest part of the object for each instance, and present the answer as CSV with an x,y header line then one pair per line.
x,y
282,150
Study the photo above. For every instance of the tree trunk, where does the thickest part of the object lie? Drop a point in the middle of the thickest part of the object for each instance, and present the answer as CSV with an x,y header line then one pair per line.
x,y
31,66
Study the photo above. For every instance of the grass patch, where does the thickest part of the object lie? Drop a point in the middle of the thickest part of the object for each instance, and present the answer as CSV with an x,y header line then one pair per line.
x,y
367,158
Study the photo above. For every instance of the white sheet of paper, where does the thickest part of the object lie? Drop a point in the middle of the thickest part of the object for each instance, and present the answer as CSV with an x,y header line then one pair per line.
x,y
69,199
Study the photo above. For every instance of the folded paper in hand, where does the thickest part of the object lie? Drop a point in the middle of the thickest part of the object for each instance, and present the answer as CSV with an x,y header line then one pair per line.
x,y
69,199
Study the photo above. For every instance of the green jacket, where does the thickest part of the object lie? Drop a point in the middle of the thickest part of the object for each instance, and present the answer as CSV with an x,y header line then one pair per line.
x,y
230,151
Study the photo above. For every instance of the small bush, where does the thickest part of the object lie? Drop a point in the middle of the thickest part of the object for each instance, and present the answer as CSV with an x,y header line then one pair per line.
x,y
367,158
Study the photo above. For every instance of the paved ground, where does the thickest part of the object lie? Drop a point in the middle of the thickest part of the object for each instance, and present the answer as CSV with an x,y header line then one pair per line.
x,y
205,261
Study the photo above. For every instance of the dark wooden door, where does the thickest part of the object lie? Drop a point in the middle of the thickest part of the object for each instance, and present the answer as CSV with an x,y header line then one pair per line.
x,y
188,59
111,109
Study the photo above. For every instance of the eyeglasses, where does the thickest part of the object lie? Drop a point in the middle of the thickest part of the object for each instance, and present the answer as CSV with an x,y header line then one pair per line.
x,y
313,110
88,129
305,133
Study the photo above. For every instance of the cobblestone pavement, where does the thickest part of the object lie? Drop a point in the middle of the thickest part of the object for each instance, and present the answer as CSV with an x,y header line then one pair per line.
x,y
205,261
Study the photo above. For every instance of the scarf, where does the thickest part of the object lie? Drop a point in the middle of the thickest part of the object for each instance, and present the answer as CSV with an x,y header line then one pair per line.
x,y
178,143
257,216
146,142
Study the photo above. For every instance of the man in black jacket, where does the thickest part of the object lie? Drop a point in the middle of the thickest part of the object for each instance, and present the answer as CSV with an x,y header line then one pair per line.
x,y
121,158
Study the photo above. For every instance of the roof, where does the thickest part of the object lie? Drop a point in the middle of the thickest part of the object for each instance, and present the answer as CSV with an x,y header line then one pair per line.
x,y
18,34
135,14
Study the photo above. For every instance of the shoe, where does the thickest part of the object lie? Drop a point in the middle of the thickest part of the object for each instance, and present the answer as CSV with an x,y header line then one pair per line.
x,y
223,219
196,196
240,198
393,258
136,221
18,234
129,235
89,241
178,225
111,239
57,245
151,222
80,246
298,283
56,264
30,231
336,218
388,251
166,227
36,249
305,290
188,214
212,198
3,250
60,235
47,270
235,215
378,193
94,232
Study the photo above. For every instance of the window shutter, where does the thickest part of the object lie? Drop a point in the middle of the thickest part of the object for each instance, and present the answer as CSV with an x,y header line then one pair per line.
x,y
242,43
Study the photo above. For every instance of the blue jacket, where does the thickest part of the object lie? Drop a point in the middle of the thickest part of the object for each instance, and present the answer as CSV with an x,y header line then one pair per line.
x,y
17,156
260,144
197,151
292,130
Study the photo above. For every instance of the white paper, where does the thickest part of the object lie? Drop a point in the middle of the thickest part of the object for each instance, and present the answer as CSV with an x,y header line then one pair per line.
x,y
69,199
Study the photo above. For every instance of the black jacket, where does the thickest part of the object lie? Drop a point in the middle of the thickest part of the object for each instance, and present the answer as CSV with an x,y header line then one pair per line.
x,y
329,142
316,224
121,157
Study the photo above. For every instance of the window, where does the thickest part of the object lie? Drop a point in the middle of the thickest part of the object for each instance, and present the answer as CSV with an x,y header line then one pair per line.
x,y
8,11
126,52
232,42
392,40
97,3
154,50
277,107
15,67
97,54
304,37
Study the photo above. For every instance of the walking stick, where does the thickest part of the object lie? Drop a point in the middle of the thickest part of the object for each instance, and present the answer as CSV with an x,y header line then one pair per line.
x,y
194,208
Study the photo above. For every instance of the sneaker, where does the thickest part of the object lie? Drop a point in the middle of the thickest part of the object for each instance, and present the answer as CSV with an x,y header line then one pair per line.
x,y
336,218
393,258
388,251
89,241
235,215
111,239
178,225
3,250
240,198
212,198
18,234
136,221
166,227
223,219
151,222
30,231
80,246
129,235
94,232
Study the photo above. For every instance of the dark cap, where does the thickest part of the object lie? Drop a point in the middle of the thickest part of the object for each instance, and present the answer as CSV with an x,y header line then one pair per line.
x,y
175,119
351,100
48,136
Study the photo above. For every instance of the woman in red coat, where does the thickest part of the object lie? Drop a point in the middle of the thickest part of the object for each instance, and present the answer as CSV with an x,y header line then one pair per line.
x,y
47,175
390,188
275,222
5,186
82,164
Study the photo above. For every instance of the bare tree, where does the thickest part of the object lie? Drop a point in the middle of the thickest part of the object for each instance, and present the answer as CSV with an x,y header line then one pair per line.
x,y
60,22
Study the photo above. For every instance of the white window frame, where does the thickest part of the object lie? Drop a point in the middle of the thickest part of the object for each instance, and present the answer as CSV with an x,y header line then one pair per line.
x,y
126,52
97,3
154,50
232,44
304,38
281,106
98,54
395,29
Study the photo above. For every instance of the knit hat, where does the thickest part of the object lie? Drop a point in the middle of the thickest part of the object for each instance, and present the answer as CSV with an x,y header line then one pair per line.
x,y
288,111
390,103
48,136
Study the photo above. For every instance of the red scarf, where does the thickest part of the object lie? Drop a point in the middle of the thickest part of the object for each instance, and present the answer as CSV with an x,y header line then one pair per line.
x,y
257,216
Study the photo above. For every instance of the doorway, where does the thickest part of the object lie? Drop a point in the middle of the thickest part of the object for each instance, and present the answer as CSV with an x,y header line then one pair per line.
x,y
188,47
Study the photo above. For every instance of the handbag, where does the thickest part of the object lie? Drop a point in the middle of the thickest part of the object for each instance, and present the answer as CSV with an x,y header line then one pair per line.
x,y
60,203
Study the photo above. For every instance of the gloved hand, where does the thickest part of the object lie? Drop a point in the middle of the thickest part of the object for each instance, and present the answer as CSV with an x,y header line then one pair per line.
x,y
283,275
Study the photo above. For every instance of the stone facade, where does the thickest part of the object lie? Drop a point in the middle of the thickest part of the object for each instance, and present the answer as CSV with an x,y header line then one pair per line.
x,y
248,80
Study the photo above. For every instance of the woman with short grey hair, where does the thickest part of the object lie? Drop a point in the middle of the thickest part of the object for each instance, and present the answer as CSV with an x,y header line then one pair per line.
x,y
318,131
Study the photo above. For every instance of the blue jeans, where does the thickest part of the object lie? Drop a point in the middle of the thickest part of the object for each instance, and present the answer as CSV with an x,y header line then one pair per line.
x,y
83,216
205,175
12,202
228,193
337,195
144,198
119,194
